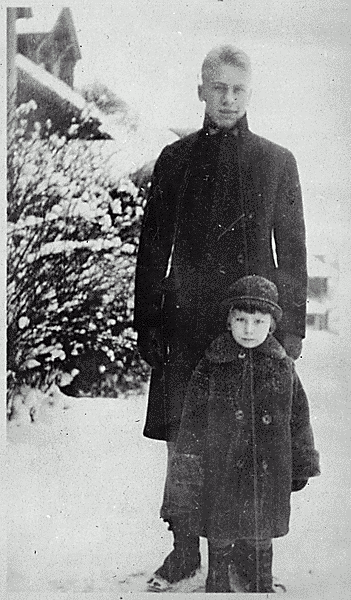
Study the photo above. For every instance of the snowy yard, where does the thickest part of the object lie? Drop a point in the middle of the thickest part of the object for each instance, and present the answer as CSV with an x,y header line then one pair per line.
x,y
85,489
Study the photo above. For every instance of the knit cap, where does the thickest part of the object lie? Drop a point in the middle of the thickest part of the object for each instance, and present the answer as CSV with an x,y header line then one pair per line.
x,y
254,291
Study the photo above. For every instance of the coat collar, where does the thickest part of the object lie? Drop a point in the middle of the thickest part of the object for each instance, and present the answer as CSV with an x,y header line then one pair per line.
x,y
211,128
225,349
188,146
250,151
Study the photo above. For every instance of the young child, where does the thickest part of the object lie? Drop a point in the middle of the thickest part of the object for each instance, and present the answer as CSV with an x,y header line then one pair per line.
x,y
244,445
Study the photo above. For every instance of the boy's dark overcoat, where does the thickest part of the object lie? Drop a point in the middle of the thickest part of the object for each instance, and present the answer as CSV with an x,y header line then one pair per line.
x,y
228,202
211,481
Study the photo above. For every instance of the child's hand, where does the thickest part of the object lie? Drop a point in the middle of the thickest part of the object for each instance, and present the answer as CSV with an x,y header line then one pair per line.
x,y
298,484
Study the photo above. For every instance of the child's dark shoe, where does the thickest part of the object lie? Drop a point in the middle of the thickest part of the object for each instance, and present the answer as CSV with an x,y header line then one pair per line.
x,y
218,569
244,570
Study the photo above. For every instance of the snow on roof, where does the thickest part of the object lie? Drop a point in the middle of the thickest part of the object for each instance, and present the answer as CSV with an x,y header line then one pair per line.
x,y
43,20
49,81
52,83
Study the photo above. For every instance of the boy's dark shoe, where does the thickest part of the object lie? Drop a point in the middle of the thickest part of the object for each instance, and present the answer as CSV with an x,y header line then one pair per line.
x,y
182,563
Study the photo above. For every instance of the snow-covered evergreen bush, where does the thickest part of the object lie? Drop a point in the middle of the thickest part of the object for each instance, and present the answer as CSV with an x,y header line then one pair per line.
x,y
71,259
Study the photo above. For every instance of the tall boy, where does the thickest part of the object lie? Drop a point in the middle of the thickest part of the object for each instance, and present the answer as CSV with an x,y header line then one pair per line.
x,y
218,199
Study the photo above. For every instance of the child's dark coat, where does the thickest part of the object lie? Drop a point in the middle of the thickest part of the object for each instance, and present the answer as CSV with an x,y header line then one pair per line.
x,y
211,484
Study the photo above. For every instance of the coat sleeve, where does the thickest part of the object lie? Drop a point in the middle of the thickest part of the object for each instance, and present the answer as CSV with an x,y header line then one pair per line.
x,y
154,248
305,458
193,425
290,241
185,479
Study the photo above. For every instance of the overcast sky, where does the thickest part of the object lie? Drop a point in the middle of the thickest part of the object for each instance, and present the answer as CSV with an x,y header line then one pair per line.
x,y
150,53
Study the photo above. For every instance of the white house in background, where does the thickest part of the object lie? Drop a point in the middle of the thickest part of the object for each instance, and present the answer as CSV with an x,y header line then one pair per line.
x,y
322,293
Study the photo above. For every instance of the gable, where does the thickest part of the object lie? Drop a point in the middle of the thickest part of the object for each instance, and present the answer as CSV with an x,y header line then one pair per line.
x,y
49,39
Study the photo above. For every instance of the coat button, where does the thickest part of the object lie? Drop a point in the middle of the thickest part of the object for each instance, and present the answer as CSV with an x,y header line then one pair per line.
x,y
241,354
240,259
267,419
239,415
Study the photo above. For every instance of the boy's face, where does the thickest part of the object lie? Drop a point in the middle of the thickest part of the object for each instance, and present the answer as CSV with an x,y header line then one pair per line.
x,y
226,90
249,330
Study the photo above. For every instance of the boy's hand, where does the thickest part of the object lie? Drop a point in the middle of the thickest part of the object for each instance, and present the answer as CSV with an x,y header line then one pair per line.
x,y
298,484
150,346
293,345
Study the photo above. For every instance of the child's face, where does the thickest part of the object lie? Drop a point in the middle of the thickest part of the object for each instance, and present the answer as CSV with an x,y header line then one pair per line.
x,y
249,330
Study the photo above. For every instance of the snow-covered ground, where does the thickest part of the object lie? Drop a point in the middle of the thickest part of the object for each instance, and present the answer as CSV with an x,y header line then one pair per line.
x,y
85,488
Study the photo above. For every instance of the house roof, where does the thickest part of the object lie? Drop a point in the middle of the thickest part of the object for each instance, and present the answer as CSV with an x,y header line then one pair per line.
x,y
48,19
45,80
